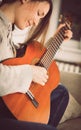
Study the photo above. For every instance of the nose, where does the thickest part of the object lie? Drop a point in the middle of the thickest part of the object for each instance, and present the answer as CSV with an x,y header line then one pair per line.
x,y
36,21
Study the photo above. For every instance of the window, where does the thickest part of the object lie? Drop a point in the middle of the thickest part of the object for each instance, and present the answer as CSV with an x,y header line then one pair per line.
x,y
72,8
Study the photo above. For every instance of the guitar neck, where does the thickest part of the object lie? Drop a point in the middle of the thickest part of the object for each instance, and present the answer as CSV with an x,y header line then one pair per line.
x,y
54,44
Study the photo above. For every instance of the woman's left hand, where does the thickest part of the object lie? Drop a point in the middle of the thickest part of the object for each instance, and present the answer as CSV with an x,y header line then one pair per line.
x,y
68,33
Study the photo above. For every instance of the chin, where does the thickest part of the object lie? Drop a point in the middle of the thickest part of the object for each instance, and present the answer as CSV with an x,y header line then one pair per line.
x,y
21,27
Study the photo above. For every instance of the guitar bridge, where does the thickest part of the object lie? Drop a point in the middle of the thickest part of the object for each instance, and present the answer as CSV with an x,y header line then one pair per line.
x,y
32,98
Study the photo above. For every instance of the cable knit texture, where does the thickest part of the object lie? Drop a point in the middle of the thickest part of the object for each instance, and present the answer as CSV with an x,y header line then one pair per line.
x,y
12,78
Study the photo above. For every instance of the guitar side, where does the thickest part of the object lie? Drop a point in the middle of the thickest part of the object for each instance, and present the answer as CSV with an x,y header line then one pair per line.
x,y
19,104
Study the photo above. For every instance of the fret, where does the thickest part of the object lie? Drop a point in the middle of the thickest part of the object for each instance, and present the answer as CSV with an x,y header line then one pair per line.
x,y
57,43
59,40
62,37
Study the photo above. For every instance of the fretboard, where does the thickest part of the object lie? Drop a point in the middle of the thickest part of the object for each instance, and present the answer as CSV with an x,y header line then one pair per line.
x,y
53,46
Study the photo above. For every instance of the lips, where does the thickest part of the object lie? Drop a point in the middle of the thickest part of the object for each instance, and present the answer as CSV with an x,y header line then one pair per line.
x,y
27,24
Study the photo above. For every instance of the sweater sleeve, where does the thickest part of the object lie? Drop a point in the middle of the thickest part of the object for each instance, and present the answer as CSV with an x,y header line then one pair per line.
x,y
15,79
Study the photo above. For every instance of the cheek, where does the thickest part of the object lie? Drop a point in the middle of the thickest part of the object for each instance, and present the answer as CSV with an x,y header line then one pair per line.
x,y
20,22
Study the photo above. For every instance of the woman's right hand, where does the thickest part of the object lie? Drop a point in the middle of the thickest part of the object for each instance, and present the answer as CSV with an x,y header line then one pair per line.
x,y
40,75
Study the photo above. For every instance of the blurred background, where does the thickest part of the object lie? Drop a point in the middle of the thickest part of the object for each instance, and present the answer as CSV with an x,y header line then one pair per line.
x,y
69,51
68,57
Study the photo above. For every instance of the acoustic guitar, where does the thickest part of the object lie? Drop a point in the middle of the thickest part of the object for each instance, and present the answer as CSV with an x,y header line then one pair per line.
x,y
34,106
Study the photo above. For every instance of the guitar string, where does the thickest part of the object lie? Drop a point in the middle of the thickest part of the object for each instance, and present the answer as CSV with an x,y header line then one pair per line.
x,y
52,48
51,51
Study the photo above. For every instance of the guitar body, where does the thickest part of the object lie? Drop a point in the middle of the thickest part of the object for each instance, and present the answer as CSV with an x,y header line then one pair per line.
x,y
20,104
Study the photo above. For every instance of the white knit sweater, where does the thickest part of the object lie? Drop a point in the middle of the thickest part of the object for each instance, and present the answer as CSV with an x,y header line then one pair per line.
x,y
12,78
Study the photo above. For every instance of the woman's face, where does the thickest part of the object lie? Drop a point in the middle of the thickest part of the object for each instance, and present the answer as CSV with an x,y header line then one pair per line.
x,y
29,13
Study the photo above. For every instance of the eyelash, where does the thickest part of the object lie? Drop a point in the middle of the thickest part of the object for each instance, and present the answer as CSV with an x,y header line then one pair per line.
x,y
38,13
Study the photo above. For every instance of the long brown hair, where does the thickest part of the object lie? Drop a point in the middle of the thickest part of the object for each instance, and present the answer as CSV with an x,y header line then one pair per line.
x,y
41,29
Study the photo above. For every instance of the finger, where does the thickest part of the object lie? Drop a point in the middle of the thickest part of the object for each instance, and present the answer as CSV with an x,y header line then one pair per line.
x,y
68,34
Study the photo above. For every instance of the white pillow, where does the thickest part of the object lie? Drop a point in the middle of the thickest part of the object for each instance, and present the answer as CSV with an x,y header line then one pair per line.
x,y
73,109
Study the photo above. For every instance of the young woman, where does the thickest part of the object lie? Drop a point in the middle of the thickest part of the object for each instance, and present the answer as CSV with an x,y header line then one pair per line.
x,y
25,13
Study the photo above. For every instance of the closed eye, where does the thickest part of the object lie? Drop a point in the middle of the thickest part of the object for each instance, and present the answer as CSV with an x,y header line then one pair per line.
x,y
41,14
